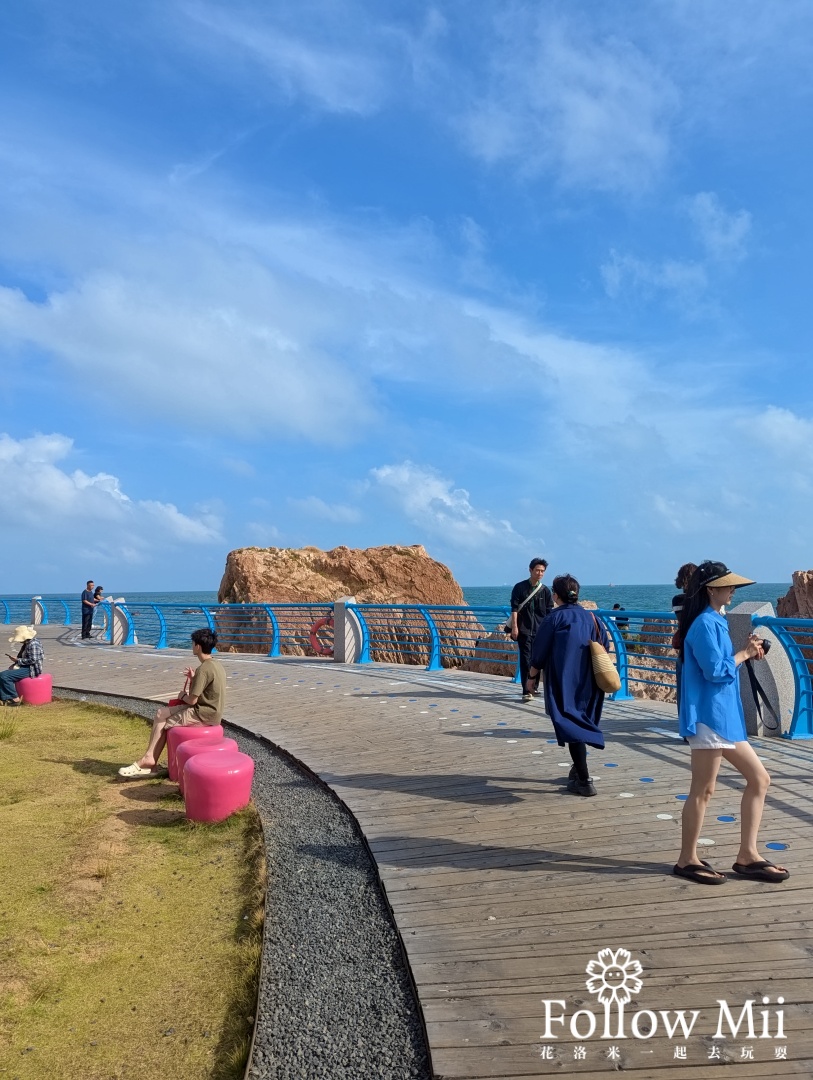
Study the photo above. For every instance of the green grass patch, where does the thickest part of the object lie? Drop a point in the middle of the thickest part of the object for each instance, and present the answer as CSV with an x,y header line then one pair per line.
x,y
130,939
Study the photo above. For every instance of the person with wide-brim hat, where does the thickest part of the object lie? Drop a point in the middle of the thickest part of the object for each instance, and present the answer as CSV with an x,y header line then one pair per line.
x,y
26,664
713,723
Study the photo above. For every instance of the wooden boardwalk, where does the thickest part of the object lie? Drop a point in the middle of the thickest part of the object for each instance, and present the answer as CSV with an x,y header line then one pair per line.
x,y
504,887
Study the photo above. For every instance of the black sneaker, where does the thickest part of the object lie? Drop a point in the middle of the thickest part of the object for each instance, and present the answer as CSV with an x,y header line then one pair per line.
x,y
576,787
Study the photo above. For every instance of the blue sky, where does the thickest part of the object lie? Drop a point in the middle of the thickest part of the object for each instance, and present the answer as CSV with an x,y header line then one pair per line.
x,y
503,279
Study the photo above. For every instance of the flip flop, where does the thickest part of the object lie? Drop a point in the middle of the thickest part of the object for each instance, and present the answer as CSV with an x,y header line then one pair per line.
x,y
699,873
759,871
136,772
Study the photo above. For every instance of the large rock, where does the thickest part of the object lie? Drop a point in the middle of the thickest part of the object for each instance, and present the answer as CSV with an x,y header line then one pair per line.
x,y
379,575
797,603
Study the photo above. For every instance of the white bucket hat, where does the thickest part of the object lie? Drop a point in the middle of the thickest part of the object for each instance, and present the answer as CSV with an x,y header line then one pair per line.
x,y
23,633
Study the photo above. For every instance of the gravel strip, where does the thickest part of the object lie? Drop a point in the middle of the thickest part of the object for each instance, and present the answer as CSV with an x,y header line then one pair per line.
x,y
336,1000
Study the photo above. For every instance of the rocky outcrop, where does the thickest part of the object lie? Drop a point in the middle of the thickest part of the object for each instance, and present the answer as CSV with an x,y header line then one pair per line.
x,y
378,575
797,603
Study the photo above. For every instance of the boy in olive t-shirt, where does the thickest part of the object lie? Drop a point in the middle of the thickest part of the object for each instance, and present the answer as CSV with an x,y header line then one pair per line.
x,y
202,703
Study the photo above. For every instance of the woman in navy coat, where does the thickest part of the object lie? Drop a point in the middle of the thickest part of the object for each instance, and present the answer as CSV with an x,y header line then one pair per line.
x,y
572,698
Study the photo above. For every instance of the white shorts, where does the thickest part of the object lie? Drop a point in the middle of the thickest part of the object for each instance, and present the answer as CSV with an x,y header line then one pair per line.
x,y
706,738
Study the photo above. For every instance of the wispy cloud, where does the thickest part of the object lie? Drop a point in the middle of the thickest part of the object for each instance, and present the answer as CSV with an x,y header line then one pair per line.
x,y
318,508
688,284
593,112
722,233
431,501
332,74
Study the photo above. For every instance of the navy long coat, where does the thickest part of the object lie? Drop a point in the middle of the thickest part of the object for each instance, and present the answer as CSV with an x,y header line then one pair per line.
x,y
561,650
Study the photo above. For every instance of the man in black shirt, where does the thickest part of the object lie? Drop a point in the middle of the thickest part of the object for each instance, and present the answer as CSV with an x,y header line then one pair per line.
x,y
531,601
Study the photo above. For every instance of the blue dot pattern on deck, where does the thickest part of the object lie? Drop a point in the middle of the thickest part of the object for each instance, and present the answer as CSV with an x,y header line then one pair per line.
x,y
610,764
682,798
502,723
551,740
525,731
646,779
726,817
776,846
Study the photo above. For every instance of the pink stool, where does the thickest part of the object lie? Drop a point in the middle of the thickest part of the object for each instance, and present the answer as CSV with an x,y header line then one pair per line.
x,y
36,691
178,735
216,785
191,747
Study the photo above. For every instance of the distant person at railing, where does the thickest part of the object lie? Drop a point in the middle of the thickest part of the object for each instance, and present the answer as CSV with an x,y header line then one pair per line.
x,y
89,603
621,621
682,579
531,602
713,723
98,594
27,664
572,697
201,704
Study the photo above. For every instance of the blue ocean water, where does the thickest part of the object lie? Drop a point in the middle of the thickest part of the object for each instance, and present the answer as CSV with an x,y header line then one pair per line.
x,y
631,597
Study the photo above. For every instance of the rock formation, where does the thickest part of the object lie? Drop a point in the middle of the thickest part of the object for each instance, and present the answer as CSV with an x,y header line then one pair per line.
x,y
379,575
797,603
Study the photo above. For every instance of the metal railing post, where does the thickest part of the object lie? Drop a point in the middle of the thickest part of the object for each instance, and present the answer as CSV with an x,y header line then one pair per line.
x,y
364,653
162,633
274,650
6,612
67,622
622,660
434,641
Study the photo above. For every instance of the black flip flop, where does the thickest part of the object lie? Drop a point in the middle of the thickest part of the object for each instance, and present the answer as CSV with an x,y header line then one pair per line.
x,y
699,873
758,871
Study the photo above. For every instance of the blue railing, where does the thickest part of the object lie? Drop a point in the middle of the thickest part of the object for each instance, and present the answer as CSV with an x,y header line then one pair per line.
x,y
642,643
433,636
437,636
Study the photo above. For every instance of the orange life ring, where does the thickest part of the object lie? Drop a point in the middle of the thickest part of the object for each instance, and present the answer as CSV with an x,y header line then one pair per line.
x,y
316,644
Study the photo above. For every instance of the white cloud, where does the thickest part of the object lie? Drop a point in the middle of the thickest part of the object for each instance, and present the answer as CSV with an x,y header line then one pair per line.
x,y
723,234
343,76
315,507
430,501
684,282
595,113
43,496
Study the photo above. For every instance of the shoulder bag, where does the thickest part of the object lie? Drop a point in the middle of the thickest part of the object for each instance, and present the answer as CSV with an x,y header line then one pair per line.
x,y
604,670
527,600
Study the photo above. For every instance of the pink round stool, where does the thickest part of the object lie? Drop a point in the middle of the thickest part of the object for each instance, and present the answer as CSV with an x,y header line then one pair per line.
x,y
216,785
178,735
36,691
191,747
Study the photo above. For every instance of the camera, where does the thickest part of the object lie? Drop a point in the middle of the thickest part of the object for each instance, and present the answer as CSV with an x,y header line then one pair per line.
x,y
765,646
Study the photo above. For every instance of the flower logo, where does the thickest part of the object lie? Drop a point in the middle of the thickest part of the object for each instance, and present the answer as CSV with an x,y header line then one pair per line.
x,y
614,980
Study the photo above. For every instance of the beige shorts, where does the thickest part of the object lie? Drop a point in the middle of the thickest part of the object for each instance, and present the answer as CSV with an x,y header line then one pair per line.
x,y
184,718
705,738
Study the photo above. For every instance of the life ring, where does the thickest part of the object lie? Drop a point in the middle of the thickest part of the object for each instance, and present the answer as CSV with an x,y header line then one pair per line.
x,y
316,644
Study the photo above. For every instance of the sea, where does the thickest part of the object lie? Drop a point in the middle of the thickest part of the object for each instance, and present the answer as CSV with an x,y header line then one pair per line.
x,y
630,597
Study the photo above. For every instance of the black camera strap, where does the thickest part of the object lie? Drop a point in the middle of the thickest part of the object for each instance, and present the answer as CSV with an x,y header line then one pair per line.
x,y
759,692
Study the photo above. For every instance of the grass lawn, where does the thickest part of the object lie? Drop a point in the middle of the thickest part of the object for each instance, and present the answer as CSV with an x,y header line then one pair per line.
x,y
129,939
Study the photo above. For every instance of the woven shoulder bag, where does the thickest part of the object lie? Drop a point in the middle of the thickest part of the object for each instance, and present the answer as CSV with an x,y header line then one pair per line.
x,y
604,670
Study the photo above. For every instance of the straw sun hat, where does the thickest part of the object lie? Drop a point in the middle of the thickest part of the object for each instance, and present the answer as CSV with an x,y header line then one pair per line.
x,y
716,575
23,633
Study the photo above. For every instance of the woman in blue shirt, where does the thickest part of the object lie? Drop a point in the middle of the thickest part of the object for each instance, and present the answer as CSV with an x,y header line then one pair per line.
x,y
713,723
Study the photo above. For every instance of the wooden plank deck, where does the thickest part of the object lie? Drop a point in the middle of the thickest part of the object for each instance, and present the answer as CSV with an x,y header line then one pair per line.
x,y
504,887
